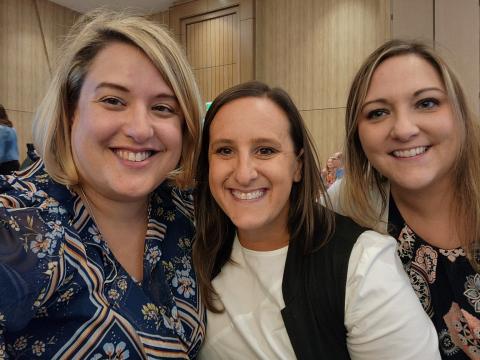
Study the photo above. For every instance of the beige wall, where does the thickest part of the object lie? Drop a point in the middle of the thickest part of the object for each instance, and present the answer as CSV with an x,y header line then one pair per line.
x,y
30,32
161,17
452,28
312,49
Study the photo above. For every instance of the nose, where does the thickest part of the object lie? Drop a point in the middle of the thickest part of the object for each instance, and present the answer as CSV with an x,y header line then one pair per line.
x,y
139,125
245,170
404,126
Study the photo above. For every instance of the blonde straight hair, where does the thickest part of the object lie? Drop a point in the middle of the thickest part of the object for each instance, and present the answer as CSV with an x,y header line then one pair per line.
x,y
90,34
362,180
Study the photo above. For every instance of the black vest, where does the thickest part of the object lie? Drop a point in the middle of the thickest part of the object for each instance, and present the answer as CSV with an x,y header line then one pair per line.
x,y
314,294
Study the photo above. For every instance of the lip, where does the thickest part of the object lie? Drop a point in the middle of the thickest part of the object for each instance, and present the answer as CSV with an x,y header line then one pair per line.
x,y
134,157
411,152
248,195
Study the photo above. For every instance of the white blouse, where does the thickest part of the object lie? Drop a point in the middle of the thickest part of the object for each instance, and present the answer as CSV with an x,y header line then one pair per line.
x,y
383,317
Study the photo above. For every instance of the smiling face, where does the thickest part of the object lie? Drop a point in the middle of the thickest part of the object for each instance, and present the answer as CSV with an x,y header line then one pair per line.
x,y
406,126
127,127
252,167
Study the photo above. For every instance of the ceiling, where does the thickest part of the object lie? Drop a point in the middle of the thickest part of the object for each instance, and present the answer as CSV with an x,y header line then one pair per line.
x,y
143,6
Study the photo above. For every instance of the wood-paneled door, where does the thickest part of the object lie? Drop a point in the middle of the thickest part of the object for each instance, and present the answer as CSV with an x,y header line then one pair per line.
x,y
212,43
219,39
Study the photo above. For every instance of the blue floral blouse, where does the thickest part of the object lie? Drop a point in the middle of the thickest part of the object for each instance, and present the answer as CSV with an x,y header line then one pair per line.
x,y
63,295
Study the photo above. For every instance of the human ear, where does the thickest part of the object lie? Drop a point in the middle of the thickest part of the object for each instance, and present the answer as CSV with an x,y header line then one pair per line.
x,y
297,175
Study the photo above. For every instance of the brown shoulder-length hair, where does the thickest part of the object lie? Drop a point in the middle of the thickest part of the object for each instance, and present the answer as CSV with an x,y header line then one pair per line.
x,y
361,177
216,232
4,120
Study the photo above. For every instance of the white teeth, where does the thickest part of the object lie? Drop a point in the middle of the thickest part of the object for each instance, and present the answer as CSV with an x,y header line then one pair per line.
x,y
248,195
133,156
410,152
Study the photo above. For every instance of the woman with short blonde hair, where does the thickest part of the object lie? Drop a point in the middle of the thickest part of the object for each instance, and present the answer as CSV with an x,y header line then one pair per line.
x,y
88,36
95,236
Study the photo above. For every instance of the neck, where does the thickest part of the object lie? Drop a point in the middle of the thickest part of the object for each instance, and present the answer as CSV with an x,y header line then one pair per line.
x,y
263,240
430,213
123,226
106,210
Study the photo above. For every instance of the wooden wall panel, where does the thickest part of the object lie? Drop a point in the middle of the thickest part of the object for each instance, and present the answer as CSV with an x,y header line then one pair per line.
x,y
24,71
452,28
203,28
327,129
312,49
30,31
212,45
413,19
457,39
55,23
161,17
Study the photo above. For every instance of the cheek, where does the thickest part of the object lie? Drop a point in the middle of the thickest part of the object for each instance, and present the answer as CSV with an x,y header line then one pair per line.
x,y
171,135
214,175
370,139
217,175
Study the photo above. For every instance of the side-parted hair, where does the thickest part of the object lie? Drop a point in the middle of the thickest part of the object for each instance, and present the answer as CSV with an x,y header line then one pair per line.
x,y
89,35
4,120
216,232
361,179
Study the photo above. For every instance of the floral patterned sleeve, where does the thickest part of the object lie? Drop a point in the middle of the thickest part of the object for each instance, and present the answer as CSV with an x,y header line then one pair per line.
x,y
30,254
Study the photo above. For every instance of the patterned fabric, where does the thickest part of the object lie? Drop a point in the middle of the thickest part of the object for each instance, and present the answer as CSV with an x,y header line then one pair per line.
x,y
447,286
65,296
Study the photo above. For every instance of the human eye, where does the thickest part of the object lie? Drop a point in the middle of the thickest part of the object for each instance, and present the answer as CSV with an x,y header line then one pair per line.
x,y
427,104
112,102
223,151
376,114
163,109
265,151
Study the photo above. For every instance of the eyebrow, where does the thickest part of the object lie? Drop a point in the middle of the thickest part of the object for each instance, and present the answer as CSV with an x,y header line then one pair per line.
x,y
416,93
254,141
125,89
112,86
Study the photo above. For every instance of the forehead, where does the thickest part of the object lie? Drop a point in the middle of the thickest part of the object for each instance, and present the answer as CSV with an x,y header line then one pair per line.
x,y
409,72
250,117
120,61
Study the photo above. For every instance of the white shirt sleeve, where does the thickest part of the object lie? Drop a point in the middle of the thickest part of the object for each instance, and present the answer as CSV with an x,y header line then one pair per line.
x,y
383,316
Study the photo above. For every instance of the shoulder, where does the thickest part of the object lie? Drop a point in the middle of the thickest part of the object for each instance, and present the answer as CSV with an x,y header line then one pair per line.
x,y
33,211
373,249
170,197
345,234
33,188
374,265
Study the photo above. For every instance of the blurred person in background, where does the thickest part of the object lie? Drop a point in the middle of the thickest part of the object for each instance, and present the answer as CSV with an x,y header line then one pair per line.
x,y
9,155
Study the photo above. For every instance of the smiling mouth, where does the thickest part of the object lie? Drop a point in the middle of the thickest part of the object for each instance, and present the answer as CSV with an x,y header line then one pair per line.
x,y
410,152
253,195
135,156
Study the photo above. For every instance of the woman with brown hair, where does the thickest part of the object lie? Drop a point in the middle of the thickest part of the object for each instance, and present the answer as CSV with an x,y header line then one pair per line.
x,y
413,170
8,145
282,276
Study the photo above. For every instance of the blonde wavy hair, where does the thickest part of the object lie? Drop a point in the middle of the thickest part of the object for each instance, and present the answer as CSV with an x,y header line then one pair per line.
x,y
362,180
89,35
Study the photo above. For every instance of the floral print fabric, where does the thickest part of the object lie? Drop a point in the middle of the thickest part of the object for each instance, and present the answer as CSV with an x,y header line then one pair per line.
x,y
447,286
63,293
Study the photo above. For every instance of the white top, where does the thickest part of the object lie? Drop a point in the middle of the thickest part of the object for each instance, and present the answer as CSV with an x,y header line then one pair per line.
x,y
383,317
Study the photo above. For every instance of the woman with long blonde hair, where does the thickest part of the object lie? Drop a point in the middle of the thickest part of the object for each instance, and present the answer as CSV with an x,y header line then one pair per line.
x,y
413,170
